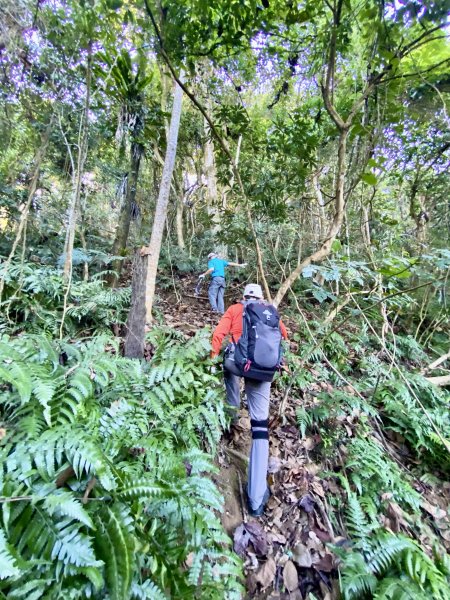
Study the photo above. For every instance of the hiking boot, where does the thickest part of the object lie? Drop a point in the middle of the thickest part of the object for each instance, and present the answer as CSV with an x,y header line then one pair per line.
x,y
257,512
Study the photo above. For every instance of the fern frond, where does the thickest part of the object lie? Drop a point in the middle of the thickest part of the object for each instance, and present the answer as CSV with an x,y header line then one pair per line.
x,y
115,546
356,578
63,503
8,563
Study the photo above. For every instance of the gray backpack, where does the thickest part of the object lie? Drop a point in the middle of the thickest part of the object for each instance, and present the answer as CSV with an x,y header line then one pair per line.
x,y
258,353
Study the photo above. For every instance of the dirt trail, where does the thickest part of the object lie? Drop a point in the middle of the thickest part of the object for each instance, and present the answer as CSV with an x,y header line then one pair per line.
x,y
284,551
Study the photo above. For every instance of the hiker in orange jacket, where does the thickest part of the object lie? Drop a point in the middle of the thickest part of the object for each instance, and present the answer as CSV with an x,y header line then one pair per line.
x,y
258,397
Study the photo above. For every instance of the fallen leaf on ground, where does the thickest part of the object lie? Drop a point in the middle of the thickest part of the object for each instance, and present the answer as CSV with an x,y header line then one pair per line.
x,y
307,503
323,536
273,502
302,556
313,468
314,543
324,564
250,533
317,487
274,464
266,573
241,540
290,576
251,584
434,511
276,537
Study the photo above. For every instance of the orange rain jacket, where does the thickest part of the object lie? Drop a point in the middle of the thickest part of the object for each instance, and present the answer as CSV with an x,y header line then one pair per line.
x,y
231,324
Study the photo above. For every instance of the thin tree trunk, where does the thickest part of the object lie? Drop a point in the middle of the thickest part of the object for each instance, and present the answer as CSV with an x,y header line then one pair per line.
x,y
82,154
179,220
321,222
223,144
123,227
135,331
154,248
83,236
421,218
365,226
40,154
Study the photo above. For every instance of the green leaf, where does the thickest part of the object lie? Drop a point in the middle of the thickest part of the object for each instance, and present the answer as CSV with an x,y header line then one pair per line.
x,y
336,246
17,375
369,178
64,503
115,545
8,566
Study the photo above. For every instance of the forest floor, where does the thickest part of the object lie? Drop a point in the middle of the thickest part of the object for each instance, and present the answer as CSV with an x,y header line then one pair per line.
x,y
285,551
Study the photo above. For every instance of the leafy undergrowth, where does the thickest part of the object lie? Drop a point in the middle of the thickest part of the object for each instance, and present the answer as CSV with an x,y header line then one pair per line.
x,y
359,472
104,476
113,471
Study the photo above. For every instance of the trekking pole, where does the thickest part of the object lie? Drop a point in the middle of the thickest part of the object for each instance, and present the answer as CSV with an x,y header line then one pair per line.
x,y
198,287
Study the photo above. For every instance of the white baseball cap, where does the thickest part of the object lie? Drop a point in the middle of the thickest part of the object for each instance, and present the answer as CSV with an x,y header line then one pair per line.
x,y
212,255
253,290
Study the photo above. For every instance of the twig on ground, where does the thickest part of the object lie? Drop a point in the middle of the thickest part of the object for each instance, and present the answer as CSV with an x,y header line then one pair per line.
x,y
241,495
324,515
90,486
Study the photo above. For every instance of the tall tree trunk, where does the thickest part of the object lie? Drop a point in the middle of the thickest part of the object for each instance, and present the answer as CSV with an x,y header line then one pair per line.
x,y
321,220
154,248
421,218
123,227
83,235
179,220
38,160
82,154
135,330
223,144
209,166
365,226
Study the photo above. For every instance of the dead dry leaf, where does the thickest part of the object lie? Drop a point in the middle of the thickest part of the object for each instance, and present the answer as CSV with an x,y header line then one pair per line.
x,y
434,511
258,537
313,468
325,564
290,576
302,556
241,540
307,503
250,533
317,487
266,573
275,464
277,537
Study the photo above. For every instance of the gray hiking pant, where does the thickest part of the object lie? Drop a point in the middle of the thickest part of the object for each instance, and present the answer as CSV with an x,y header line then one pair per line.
x,y
258,398
216,292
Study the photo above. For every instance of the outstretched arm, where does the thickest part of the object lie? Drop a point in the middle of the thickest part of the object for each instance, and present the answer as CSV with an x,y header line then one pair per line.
x,y
232,264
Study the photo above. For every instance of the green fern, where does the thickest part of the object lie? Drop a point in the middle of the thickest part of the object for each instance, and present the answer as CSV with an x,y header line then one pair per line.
x,y
304,420
91,426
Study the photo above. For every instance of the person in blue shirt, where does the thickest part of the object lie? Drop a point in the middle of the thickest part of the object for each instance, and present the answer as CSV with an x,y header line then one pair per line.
x,y
216,291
